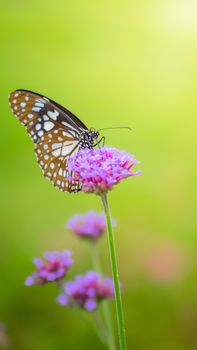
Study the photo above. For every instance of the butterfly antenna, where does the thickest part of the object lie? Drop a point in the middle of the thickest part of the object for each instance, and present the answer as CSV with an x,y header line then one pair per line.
x,y
116,127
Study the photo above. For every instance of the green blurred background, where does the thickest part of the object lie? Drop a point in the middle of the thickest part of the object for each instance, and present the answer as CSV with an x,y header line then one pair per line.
x,y
112,63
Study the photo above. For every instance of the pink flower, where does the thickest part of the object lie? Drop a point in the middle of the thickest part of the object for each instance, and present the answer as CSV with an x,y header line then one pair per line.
x,y
98,170
87,291
90,225
53,269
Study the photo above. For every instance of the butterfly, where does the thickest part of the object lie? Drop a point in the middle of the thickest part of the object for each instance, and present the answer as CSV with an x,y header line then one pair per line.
x,y
56,132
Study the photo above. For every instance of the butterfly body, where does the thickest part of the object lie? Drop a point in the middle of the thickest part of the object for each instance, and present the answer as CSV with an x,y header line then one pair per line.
x,y
56,132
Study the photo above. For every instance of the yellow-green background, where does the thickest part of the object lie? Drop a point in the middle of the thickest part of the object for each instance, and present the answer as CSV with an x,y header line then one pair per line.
x,y
112,63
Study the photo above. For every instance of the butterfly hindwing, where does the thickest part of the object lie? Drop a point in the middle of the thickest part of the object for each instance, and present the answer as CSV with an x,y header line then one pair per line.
x,y
53,152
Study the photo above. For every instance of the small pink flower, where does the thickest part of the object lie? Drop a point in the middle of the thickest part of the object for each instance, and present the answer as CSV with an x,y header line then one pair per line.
x,y
54,268
98,170
90,225
87,291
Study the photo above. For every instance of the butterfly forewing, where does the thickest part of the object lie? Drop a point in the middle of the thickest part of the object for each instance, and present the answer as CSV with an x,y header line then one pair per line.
x,y
54,130
41,115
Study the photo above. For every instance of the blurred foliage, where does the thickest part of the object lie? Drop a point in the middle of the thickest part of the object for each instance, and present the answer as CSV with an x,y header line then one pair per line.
x,y
111,63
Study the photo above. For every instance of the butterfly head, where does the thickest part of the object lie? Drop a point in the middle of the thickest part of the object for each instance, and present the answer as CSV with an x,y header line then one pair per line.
x,y
93,134
87,138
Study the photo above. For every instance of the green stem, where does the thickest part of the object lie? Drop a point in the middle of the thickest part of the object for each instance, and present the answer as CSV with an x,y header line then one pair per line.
x,y
104,305
118,298
93,325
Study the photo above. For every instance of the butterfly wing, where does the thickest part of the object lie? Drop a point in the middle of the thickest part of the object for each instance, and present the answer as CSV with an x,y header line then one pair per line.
x,y
39,114
53,152
54,130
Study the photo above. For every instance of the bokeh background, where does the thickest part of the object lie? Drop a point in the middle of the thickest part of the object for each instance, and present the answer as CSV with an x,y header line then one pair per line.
x,y
112,63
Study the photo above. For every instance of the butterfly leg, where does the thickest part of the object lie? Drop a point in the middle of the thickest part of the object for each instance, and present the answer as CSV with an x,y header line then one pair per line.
x,y
101,140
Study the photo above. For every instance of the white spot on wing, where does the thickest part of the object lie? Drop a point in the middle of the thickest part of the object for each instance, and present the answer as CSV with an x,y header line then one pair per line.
x,y
56,145
38,126
45,117
53,115
40,133
57,152
48,126
68,147
64,133
67,125
39,104
36,109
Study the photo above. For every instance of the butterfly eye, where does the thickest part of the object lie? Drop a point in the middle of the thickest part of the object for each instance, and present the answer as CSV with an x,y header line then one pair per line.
x,y
95,134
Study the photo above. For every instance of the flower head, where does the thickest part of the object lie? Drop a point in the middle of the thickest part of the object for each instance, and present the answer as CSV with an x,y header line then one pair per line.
x,y
98,170
87,291
53,269
90,225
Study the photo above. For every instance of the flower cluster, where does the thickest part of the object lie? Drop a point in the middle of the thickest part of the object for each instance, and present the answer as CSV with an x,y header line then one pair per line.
x,y
87,291
98,170
53,269
89,225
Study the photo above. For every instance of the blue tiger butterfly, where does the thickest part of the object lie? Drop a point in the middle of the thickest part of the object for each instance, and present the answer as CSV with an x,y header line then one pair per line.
x,y
56,132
